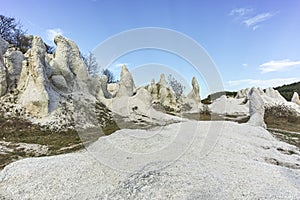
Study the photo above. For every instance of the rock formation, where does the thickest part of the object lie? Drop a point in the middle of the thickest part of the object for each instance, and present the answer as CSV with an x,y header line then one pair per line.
x,y
256,109
275,95
162,81
153,90
243,93
33,84
102,91
113,88
126,86
3,75
195,93
295,98
166,95
67,64
13,60
193,98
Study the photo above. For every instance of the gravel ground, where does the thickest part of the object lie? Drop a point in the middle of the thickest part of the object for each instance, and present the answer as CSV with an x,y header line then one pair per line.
x,y
188,160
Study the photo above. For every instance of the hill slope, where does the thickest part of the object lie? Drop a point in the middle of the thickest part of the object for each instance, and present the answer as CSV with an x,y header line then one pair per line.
x,y
287,90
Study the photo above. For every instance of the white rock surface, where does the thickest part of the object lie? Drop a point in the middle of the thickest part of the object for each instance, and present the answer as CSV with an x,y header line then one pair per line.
x,y
13,60
240,105
101,89
126,85
112,88
295,98
137,107
241,165
243,93
33,80
273,97
229,106
193,98
68,63
162,94
256,109
3,75
162,81
60,83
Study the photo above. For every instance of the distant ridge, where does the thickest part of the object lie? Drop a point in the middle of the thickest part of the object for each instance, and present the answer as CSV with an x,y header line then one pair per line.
x,y
287,90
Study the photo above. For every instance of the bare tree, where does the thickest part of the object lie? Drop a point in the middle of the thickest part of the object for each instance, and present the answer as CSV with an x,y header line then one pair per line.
x,y
12,32
176,86
91,64
49,49
110,76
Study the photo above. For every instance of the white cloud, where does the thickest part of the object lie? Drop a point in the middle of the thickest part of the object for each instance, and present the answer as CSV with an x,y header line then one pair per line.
x,y
245,65
261,83
250,18
255,27
121,64
51,33
240,11
278,65
259,18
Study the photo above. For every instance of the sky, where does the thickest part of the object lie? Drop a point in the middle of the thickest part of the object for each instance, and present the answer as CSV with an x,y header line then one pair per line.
x,y
251,43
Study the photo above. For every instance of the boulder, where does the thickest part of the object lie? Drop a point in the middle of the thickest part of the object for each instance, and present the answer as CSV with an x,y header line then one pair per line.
x,y
13,60
126,86
256,108
33,83
3,75
295,98
59,82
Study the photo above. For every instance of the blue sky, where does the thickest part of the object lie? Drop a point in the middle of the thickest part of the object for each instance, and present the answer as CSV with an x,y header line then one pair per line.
x,y
252,43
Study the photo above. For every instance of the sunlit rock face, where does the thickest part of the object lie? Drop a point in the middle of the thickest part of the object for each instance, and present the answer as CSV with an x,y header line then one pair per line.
x,y
13,61
243,93
126,85
256,109
68,63
3,76
193,98
33,84
295,98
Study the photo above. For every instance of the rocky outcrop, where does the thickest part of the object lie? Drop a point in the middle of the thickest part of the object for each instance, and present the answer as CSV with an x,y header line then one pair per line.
x,y
295,98
162,81
3,75
68,64
33,84
60,82
13,60
275,95
193,98
153,90
243,93
256,109
102,91
126,85
162,94
113,88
